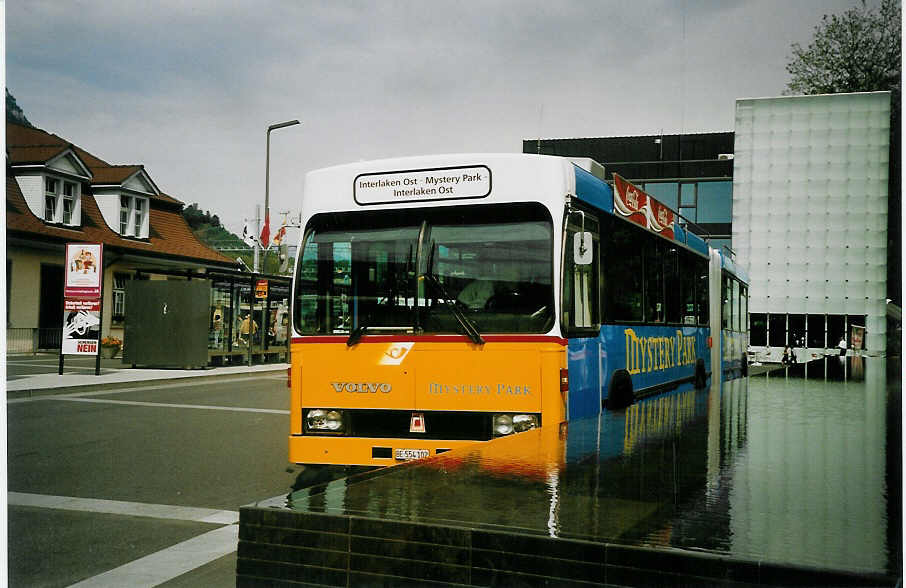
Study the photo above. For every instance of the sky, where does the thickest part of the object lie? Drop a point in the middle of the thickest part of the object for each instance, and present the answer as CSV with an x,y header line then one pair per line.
x,y
187,89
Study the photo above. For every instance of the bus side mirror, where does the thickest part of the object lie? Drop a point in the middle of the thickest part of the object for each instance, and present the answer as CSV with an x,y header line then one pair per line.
x,y
582,248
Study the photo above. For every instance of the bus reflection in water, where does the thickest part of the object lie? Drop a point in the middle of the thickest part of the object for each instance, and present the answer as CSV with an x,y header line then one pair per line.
x,y
441,301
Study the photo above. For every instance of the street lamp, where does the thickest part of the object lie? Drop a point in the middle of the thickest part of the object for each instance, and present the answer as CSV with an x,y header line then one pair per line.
x,y
267,180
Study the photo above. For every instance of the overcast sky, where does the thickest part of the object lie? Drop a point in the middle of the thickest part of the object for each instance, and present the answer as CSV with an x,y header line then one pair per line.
x,y
188,88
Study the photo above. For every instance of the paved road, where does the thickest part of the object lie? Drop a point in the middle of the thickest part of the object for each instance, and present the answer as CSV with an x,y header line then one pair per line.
x,y
142,485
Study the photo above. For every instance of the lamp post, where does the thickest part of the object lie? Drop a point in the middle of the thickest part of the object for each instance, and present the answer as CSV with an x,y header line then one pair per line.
x,y
267,180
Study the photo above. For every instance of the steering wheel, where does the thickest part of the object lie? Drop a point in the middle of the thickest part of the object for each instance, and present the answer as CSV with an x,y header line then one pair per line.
x,y
508,299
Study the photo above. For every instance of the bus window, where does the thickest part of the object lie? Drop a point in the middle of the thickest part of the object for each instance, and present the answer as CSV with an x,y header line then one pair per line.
x,y
622,272
497,267
307,277
672,283
580,282
655,310
726,315
687,280
744,308
701,292
358,272
736,324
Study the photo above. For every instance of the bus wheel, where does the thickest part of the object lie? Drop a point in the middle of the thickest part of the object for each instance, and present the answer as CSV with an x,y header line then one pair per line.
x,y
621,394
744,366
701,378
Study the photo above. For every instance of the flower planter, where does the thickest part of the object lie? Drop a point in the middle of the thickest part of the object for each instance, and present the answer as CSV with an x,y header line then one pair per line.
x,y
109,351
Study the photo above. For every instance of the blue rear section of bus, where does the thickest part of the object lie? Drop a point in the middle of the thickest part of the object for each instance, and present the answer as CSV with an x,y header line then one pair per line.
x,y
656,357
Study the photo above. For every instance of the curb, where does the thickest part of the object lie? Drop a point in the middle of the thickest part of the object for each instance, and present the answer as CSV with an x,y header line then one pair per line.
x,y
36,392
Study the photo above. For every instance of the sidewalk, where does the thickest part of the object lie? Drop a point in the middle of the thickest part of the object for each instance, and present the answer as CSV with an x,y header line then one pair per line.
x,y
78,376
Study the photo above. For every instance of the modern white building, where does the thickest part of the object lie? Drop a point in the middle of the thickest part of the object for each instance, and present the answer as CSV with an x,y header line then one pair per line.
x,y
810,189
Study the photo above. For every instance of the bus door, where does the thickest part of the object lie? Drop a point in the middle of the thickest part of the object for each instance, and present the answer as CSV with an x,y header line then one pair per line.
x,y
581,314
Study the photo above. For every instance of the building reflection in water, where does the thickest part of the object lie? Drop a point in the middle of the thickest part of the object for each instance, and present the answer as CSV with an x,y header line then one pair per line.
x,y
788,467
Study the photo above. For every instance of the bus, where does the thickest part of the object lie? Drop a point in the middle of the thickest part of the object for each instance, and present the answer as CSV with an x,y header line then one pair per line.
x,y
730,285
441,301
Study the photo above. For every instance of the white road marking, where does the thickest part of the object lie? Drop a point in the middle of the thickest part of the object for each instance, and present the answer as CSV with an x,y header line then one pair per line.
x,y
169,563
164,565
119,507
170,405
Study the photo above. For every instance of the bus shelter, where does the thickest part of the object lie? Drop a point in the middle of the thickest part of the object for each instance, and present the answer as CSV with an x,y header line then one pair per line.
x,y
246,318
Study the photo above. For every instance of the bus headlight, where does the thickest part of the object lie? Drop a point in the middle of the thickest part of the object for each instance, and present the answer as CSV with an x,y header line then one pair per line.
x,y
524,422
320,419
506,424
503,424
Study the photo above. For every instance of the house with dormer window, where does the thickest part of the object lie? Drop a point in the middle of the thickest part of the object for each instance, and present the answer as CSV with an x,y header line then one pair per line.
x,y
58,193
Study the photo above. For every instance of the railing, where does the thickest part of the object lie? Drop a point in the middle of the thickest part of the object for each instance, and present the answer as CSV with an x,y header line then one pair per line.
x,y
32,340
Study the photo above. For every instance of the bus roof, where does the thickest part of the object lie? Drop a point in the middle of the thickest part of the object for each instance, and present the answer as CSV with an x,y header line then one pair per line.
x,y
598,193
439,180
460,179
727,264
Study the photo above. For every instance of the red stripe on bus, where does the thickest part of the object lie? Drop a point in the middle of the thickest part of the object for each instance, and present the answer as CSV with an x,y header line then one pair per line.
x,y
432,338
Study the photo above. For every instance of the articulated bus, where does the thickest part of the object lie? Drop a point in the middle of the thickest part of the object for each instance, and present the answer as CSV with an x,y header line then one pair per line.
x,y
440,301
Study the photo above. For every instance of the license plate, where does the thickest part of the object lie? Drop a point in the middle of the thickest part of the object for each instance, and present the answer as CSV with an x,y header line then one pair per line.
x,y
409,454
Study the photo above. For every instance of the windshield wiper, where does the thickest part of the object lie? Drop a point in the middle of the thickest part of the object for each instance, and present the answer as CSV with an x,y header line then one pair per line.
x,y
356,334
467,326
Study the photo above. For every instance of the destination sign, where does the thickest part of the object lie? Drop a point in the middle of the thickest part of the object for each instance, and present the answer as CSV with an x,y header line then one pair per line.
x,y
423,185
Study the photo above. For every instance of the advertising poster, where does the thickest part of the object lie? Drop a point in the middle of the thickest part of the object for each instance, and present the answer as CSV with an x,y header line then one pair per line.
x,y
81,326
857,337
83,271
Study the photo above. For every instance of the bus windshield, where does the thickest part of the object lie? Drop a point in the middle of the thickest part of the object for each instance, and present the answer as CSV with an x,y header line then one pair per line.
x,y
427,270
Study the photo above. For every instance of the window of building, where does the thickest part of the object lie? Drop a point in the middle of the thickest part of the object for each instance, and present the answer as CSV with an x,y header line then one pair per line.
x,y
758,329
133,213
815,326
51,193
119,296
69,198
836,329
664,192
125,214
796,329
715,202
139,215
777,330
687,194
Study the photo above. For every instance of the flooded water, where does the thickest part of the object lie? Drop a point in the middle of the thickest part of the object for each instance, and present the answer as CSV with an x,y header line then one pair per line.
x,y
798,466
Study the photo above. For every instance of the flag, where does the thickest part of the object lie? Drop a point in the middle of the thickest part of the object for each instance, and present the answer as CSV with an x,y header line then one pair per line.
x,y
247,236
278,237
266,231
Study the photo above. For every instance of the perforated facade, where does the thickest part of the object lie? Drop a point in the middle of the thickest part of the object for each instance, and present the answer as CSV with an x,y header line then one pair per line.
x,y
810,191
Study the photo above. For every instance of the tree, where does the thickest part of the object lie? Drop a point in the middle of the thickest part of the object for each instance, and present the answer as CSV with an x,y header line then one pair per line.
x,y
857,51
861,51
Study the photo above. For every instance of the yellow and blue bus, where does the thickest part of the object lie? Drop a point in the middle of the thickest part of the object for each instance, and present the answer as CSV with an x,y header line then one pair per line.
x,y
440,301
